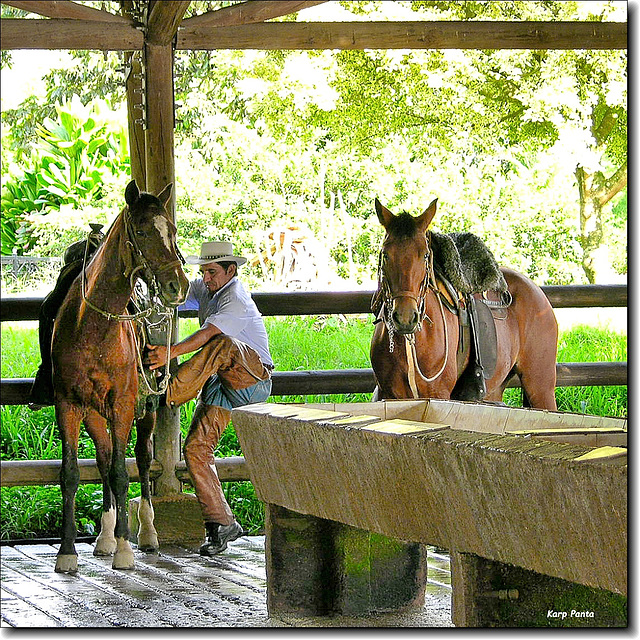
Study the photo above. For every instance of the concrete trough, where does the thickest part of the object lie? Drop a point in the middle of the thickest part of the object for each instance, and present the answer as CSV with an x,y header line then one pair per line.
x,y
540,490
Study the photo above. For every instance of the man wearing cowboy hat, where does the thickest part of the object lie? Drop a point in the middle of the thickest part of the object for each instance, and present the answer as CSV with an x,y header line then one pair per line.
x,y
231,367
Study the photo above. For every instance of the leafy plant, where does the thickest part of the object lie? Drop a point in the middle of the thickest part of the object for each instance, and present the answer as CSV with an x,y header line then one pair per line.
x,y
73,155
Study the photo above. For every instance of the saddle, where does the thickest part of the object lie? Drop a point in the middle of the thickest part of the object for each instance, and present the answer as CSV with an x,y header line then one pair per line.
x,y
42,389
471,286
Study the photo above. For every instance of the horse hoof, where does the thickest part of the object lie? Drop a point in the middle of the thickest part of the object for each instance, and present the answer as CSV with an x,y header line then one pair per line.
x,y
148,542
123,561
104,547
123,558
148,548
67,563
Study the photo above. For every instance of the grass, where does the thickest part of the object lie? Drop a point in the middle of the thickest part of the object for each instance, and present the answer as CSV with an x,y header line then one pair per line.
x,y
297,343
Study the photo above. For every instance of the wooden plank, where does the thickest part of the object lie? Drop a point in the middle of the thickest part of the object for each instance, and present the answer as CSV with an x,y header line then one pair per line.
x,y
50,608
164,20
20,613
65,9
25,473
407,35
248,12
64,33
14,391
586,295
174,588
587,436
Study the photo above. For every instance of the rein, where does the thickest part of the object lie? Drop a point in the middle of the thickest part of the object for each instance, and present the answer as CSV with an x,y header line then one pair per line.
x,y
166,314
428,282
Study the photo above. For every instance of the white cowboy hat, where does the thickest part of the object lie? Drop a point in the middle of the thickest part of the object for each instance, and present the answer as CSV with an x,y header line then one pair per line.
x,y
215,252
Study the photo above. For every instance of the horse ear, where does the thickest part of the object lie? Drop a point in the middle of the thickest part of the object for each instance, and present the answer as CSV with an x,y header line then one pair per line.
x,y
131,193
165,194
427,216
384,215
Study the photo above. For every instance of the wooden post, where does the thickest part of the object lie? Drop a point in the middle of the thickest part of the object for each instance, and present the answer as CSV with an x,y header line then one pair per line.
x,y
135,117
160,165
135,87
160,171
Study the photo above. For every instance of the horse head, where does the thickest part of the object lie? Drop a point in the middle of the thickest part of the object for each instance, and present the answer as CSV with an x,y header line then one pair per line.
x,y
152,236
405,263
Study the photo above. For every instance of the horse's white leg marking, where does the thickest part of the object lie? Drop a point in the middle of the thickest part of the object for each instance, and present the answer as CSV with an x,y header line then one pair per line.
x,y
67,563
147,536
162,225
106,541
123,558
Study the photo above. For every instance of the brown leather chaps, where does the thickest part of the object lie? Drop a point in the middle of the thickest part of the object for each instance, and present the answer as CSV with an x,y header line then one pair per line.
x,y
238,366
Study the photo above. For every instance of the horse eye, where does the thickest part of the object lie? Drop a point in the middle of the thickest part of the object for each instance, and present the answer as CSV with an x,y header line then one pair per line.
x,y
140,233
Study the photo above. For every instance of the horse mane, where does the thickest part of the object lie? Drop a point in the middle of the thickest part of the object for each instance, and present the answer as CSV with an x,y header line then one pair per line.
x,y
404,225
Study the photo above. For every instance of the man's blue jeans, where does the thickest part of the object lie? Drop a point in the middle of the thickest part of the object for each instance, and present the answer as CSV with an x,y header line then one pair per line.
x,y
215,392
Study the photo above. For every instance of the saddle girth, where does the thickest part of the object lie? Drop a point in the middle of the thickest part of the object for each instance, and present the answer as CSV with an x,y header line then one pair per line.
x,y
477,337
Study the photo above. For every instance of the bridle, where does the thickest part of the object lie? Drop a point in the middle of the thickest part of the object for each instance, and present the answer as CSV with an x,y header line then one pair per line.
x,y
136,262
388,298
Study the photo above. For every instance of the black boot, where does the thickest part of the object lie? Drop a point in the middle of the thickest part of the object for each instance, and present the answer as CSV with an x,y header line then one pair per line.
x,y
41,394
218,535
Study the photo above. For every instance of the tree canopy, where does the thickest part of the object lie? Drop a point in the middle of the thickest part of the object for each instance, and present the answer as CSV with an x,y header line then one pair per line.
x,y
525,148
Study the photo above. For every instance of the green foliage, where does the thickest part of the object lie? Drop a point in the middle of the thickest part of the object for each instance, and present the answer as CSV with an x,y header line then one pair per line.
x,y
68,168
266,139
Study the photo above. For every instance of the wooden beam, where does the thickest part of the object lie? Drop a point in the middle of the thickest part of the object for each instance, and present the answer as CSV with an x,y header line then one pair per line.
x,y
134,84
160,167
407,35
25,473
65,9
83,34
248,12
160,171
352,302
164,20
69,34
15,391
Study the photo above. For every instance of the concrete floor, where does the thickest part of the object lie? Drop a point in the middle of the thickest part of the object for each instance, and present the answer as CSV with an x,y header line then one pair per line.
x,y
175,588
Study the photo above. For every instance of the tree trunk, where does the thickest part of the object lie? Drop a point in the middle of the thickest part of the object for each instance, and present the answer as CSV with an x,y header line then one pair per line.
x,y
591,232
596,192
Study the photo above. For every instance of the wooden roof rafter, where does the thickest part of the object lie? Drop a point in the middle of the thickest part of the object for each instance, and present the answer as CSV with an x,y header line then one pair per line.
x,y
65,9
164,20
248,12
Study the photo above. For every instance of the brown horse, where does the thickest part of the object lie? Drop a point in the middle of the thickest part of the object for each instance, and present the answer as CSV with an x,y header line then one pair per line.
x,y
414,311
94,354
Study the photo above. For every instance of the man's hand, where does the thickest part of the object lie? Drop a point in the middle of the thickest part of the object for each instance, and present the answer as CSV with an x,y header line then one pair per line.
x,y
156,356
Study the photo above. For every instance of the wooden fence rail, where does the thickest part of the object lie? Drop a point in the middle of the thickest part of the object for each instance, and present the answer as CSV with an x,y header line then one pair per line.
x,y
15,391
351,302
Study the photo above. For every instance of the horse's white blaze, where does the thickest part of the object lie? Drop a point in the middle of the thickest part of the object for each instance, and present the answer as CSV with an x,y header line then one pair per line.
x,y
162,225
